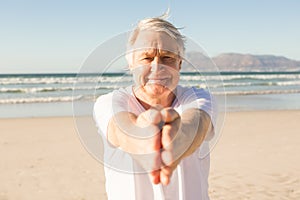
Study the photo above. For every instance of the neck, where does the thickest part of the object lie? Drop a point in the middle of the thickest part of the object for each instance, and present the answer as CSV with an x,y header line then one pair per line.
x,y
148,101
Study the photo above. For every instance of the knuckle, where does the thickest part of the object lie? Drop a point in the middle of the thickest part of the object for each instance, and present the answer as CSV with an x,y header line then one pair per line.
x,y
167,129
169,114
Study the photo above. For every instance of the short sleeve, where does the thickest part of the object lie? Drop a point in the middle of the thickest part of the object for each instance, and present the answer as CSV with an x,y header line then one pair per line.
x,y
103,112
104,109
197,98
112,103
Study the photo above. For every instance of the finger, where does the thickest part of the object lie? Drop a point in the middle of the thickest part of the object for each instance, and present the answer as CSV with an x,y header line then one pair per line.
x,y
167,158
154,116
167,170
167,145
169,114
166,173
164,179
151,116
167,134
150,134
155,141
155,176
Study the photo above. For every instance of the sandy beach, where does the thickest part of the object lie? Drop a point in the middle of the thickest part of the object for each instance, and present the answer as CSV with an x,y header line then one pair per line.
x,y
257,157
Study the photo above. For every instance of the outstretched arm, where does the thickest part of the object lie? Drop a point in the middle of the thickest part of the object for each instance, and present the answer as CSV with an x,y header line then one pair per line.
x,y
159,138
140,136
181,136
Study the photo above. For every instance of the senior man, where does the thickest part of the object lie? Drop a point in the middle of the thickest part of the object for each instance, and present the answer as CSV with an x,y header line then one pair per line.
x,y
154,128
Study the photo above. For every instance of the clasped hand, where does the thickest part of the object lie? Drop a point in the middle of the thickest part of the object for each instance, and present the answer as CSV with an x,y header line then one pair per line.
x,y
162,149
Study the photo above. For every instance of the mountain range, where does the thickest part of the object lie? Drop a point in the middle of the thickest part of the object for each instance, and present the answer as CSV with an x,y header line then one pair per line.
x,y
236,62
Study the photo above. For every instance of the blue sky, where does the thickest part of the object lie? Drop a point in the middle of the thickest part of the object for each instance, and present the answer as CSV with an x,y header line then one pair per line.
x,y
57,36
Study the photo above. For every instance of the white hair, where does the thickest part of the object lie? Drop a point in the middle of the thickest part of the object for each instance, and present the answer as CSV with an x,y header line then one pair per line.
x,y
157,24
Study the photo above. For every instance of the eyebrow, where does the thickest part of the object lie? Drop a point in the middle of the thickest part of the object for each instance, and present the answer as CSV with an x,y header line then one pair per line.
x,y
161,52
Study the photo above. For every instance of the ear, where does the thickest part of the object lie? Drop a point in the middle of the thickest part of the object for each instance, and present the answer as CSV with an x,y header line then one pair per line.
x,y
180,62
129,67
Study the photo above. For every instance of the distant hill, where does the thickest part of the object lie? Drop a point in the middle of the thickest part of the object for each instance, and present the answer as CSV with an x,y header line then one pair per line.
x,y
240,63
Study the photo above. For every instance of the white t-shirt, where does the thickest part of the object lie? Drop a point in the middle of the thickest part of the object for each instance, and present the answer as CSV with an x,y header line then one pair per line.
x,y
124,179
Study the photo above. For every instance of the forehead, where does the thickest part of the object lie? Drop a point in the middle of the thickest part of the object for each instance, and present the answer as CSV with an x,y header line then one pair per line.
x,y
151,41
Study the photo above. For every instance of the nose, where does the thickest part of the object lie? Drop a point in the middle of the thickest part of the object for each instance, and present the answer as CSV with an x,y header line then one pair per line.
x,y
155,64
155,67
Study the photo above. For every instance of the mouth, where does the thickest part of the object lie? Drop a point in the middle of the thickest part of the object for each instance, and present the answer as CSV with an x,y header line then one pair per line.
x,y
160,81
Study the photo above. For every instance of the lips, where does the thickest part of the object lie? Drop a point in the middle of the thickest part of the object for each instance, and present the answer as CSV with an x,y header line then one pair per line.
x,y
156,80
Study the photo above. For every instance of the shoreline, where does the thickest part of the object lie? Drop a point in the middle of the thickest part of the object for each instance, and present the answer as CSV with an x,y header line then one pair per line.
x,y
90,115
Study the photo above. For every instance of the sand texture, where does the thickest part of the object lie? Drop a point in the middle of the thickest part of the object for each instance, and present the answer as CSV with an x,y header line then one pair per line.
x,y
257,157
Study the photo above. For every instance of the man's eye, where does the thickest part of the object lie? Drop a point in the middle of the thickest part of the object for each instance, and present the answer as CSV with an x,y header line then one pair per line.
x,y
147,58
168,58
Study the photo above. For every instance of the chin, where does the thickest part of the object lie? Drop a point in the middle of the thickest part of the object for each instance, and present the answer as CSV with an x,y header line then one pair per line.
x,y
157,90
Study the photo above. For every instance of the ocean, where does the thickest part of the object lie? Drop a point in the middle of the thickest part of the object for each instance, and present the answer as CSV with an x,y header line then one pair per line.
x,y
41,95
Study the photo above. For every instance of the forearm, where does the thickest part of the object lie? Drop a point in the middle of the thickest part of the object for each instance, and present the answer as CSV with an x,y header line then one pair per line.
x,y
195,125
139,138
132,134
118,128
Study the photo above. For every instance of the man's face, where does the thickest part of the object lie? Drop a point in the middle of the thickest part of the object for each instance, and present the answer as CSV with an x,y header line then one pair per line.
x,y
155,63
